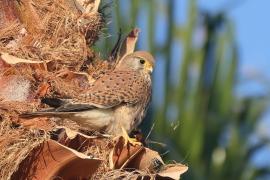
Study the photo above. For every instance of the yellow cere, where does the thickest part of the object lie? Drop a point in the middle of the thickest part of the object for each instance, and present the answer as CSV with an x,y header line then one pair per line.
x,y
148,66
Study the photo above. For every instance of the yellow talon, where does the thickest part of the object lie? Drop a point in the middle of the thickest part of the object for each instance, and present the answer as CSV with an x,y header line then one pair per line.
x,y
129,140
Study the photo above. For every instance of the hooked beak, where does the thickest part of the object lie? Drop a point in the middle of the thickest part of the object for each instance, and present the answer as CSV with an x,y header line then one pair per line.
x,y
149,67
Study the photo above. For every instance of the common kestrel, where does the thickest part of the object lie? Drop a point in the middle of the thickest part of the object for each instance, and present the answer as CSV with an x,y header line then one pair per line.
x,y
115,103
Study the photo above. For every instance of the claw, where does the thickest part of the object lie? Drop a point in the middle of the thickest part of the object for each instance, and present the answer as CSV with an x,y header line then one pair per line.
x,y
129,140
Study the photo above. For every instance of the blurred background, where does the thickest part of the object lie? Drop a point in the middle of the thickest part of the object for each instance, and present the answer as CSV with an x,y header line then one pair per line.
x,y
210,105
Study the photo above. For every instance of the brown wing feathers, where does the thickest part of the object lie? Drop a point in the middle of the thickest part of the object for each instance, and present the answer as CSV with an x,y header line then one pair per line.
x,y
115,88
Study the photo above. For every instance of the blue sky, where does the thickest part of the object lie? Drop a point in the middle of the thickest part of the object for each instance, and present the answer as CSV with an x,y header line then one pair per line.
x,y
252,32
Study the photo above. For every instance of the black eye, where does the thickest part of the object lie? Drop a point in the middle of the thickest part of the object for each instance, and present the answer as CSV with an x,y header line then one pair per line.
x,y
142,61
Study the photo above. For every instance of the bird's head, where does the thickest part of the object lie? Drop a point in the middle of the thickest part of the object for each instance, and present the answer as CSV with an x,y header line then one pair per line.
x,y
138,61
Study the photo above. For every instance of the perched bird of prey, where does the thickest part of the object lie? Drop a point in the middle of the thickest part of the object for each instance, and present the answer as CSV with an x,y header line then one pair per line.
x,y
115,103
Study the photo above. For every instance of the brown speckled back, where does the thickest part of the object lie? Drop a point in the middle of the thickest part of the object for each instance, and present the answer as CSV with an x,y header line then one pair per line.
x,y
118,87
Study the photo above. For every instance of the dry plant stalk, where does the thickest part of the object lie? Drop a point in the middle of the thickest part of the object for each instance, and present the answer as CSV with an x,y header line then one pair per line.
x,y
14,150
51,30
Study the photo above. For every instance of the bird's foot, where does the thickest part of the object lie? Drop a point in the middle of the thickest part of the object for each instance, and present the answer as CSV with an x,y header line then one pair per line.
x,y
129,140
132,141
